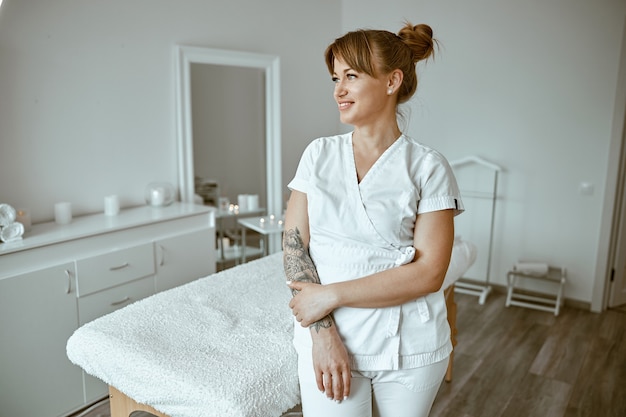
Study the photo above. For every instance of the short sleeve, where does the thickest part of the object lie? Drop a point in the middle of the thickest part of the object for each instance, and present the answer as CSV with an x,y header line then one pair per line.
x,y
300,181
439,188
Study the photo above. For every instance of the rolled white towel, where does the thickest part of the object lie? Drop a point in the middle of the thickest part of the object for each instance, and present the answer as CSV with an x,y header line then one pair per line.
x,y
532,268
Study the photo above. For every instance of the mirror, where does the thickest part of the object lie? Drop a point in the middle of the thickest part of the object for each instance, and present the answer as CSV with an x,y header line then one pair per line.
x,y
228,117
186,56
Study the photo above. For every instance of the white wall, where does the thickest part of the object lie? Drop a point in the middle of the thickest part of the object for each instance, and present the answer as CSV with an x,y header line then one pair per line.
x,y
87,89
529,85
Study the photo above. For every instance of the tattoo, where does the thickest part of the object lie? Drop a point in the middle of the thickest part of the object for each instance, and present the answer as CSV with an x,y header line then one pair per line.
x,y
300,267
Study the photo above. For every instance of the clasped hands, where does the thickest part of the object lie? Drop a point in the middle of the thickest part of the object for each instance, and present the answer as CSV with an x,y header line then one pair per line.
x,y
311,302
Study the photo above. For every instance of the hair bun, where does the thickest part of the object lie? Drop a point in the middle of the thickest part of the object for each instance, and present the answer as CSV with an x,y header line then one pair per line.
x,y
419,38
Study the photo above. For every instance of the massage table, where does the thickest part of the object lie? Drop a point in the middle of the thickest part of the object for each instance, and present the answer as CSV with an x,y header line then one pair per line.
x,y
218,346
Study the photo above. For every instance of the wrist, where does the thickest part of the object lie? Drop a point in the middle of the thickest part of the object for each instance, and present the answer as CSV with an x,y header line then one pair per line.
x,y
323,329
334,295
326,339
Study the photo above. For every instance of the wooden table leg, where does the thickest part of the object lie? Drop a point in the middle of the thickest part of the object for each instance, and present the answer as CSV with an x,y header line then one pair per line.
x,y
122,405
451,306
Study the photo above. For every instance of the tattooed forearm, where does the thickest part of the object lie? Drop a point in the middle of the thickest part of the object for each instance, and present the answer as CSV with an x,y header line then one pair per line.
x,y
299,267
298,264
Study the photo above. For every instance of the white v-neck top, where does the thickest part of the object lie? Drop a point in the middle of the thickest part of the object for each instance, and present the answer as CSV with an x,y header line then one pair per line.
x,y
357,229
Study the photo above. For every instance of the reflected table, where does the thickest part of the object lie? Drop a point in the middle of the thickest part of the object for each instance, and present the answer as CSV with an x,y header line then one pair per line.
x,y
264,225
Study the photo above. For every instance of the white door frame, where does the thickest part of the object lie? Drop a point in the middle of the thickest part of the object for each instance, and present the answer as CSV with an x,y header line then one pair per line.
x,y
607,244
617,278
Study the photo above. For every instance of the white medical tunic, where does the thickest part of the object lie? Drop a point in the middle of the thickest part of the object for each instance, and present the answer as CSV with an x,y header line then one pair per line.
x,y
357,229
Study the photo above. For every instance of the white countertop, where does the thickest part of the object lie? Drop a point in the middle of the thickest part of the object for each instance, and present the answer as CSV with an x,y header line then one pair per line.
x,y
42,234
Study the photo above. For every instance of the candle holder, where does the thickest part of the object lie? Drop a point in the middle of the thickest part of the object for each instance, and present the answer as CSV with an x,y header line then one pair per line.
x,y
23,216
159,194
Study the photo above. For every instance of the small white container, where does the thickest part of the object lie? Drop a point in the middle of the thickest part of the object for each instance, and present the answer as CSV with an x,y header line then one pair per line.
x,y
111,205
159,194
242,202
253,202
63,212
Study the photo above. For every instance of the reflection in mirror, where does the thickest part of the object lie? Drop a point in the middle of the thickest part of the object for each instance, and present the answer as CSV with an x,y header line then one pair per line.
x,y
189,59
188,56
228,122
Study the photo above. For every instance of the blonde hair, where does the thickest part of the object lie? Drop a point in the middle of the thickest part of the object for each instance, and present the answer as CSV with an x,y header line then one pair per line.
x,y
375,52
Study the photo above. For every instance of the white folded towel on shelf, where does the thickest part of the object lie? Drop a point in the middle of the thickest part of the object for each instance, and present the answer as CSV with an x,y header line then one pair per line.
x,y
532,268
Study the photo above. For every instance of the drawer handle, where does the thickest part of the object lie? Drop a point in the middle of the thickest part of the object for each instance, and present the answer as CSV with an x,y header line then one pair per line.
x,y
68,289
116,268
117,303
161,252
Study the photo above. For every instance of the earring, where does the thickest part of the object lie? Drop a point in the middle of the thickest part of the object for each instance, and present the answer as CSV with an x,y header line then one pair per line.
x,y
390,91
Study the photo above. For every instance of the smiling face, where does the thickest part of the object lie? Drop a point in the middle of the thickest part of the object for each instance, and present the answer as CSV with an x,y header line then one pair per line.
x,y
361,98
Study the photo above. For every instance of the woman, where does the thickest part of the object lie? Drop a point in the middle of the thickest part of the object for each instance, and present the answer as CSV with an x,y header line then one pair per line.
x,y
370,217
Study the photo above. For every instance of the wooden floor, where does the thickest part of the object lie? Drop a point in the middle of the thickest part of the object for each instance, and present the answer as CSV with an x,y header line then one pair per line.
x,y
517,362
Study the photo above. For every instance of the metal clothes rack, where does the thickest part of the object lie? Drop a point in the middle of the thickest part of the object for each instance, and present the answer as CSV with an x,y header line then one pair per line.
x,y
479,184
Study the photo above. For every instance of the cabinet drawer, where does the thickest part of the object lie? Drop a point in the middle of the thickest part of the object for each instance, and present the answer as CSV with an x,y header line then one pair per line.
x,y
105,302
114,268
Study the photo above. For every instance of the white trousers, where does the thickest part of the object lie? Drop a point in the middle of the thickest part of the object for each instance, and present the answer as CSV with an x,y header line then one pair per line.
x,y
404,393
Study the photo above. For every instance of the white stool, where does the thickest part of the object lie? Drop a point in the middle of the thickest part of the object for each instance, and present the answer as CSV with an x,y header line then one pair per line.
x,y
544,301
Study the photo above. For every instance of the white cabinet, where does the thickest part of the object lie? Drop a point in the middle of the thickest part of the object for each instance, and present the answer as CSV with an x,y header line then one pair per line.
x,y
37,316
61,277
96,305
113,268
193,251
107,282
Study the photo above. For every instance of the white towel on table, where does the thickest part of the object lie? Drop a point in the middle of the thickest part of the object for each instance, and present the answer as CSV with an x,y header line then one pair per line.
x,y
463,257
219,346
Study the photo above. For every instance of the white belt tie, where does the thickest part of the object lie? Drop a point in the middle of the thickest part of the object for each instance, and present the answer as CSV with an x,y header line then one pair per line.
x,y
406,255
